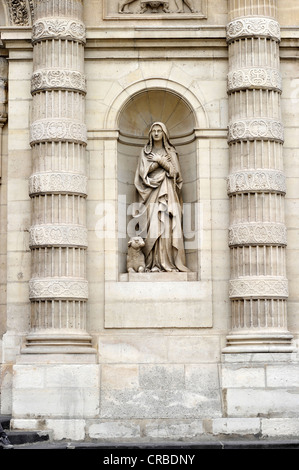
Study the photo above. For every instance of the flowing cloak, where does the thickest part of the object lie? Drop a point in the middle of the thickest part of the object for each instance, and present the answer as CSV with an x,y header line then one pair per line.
x,y
160,214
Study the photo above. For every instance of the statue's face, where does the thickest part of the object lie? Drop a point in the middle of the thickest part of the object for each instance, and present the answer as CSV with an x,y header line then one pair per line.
x,y
157,133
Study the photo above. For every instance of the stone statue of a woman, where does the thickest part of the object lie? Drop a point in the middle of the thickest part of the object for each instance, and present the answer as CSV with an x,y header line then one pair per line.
x,y
158,181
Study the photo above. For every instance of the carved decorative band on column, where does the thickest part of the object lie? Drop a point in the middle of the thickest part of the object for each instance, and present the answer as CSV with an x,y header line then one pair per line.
x,y
53,28
261,287
253,27
55,130
254,78
57,183
58,289
256,129
245,181
257,234
58,235
57,79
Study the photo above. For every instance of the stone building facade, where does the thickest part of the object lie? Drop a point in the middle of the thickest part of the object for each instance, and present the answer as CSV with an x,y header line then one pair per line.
x,y
88,350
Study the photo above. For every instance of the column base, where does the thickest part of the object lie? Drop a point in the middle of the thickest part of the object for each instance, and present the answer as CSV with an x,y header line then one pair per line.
x,y
58,342
259,342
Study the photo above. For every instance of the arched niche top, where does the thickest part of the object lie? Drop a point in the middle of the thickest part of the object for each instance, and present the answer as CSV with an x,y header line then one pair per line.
x,y
136,115
153,105
171,93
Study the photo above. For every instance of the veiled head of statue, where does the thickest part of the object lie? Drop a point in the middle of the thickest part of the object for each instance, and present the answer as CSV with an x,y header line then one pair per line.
x,y
163,127
166,139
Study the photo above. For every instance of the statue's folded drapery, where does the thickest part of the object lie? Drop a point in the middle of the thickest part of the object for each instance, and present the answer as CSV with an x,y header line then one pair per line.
x,y
159,219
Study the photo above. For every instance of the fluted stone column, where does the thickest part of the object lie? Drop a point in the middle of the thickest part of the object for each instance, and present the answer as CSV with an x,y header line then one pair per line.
x,y
256,184
58,184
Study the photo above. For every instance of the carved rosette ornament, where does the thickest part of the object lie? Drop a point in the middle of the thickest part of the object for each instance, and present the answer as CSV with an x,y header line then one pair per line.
x,y
58,289
256,187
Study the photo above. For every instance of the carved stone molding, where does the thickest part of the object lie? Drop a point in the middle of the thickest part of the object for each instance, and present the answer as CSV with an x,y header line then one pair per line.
x,y
259,129
256,181
54,28
57,183
154,9
57,79
257,234
258,287
57,130
58,235
58,289
253,27
20,12
254,77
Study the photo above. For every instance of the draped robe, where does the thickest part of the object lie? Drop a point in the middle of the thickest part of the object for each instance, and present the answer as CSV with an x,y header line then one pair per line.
x,y
160,217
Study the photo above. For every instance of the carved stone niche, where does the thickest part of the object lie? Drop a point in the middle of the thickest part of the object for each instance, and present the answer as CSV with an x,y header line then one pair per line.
x,y
146,299
154,9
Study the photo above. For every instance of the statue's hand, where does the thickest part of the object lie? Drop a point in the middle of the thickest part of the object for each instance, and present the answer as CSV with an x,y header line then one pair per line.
x,y
153,158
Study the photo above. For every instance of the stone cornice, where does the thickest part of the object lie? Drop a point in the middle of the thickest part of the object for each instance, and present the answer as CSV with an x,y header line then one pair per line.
x,y
19,37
